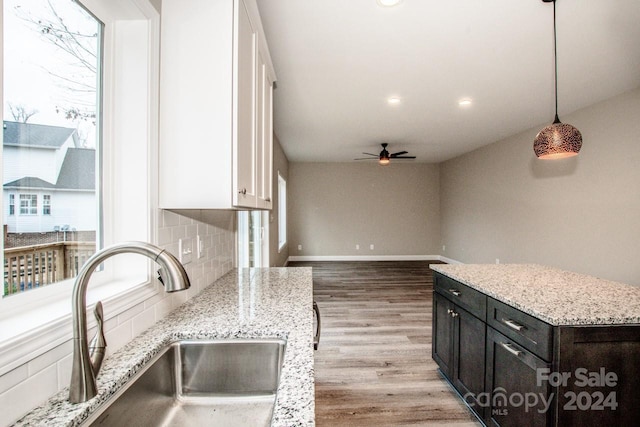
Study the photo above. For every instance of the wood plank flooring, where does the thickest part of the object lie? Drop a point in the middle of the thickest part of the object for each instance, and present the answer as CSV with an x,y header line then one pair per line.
x,y
374,366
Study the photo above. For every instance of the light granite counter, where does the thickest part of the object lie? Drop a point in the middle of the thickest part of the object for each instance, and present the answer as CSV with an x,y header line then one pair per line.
x,y
248,303
555,296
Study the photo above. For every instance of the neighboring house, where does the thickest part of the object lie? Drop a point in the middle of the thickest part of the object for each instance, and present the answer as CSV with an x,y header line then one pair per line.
x,y
49,183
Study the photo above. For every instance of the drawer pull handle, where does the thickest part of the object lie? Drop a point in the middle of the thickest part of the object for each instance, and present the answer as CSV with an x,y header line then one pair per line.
x,y
455,292
316,338
513,325
510,349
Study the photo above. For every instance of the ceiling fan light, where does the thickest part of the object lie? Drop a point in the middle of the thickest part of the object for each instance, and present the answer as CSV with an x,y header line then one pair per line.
x,y
384,161
557,141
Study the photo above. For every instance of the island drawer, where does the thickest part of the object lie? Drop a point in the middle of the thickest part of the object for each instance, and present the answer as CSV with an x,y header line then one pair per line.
x,y
473,301
531,333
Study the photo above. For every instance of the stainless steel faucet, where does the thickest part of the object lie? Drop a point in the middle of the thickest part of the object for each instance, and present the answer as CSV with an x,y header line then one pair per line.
x,y
86,365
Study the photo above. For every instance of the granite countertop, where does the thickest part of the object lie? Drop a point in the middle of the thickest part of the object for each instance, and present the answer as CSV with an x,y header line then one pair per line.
x,y
555,296
247,303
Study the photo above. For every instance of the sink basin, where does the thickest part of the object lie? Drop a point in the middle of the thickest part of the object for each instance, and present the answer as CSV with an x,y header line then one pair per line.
x,y
229,382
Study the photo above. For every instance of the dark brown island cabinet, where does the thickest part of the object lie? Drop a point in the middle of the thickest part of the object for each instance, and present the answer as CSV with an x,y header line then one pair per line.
x,y
513,369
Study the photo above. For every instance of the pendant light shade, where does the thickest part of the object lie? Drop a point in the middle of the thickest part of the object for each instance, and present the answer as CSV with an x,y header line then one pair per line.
x,y
558,140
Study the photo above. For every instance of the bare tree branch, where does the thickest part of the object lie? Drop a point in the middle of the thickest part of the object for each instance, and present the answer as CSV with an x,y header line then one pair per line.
x,y
20,113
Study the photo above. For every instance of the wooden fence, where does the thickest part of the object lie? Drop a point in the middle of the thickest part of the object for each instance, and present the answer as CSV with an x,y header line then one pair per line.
x,y
34,266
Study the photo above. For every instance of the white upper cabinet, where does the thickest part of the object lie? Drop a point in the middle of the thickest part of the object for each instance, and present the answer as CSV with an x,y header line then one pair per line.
x,y
216,95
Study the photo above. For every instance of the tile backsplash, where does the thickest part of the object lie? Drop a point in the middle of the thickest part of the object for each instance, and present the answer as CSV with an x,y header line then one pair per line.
x,y
28,385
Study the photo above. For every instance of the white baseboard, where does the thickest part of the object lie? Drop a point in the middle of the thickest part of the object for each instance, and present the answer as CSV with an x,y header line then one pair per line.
x,y
371,258
449,260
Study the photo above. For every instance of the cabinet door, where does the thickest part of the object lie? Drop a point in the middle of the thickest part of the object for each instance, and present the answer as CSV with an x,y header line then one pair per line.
x,y
264,172
442,346
468,360
512,382
244,143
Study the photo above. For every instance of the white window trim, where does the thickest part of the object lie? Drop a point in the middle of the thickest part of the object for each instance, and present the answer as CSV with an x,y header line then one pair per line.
x,y
52,324
282,243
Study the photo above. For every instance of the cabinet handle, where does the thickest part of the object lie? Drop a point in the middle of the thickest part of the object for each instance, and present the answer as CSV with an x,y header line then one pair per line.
x,y
243,191
510,349
449,311
513,325
455,292
454,314
268,200
316,338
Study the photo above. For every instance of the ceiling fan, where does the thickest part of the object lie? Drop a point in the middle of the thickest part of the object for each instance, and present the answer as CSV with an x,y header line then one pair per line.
x,y
384,157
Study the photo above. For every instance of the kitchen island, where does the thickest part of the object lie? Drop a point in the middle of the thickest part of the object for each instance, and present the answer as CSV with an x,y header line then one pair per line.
x,y
533,345
247,303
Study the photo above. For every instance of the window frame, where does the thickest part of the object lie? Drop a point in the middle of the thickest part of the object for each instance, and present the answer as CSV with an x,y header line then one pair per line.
x,y
282,212
131,46
12,204
46,204
30,208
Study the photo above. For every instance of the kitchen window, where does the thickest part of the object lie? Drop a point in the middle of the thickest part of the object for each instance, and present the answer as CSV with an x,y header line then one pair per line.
x,y
125,104
282,212
51,82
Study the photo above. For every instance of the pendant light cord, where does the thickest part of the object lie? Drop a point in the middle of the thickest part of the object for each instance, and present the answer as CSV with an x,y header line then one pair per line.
x,y
555,60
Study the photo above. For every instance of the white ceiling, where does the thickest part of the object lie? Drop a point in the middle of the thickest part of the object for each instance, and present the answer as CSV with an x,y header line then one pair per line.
x,y
337,62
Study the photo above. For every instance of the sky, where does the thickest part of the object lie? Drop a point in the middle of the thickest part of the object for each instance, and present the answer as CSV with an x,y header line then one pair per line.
x,y
28,56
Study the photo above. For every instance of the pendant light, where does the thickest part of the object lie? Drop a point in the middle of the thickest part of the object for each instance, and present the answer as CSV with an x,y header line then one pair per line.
x,y
558,140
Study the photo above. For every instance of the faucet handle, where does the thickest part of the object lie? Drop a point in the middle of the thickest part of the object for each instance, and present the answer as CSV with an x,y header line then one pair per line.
x,y
98,343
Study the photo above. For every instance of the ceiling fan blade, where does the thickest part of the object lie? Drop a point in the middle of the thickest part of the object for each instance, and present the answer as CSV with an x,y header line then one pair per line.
x,y
399,153
405,157
368,158
369,154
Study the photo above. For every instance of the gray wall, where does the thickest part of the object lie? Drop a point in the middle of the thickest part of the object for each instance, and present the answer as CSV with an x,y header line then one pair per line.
x,y
280,164
334,206
580,214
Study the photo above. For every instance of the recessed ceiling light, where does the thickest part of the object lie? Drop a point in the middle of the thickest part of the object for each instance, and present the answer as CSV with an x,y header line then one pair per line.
x,y
466,102
394,100
388,3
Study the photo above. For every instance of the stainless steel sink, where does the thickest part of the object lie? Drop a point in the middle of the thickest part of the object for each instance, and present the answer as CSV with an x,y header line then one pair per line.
x,y
215,382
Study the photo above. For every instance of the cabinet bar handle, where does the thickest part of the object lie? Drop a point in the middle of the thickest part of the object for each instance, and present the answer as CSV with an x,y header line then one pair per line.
x,y
243,191
510,349
455,292
268,200
513,325
316,338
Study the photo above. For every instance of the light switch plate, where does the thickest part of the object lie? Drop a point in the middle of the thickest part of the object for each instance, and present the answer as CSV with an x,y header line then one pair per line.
x,y
185,250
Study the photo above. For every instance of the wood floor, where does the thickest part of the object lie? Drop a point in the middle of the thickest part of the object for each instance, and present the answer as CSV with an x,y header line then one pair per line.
x,y
374,366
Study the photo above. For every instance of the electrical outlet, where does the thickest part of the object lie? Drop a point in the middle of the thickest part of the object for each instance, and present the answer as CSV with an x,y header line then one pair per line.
x,y
357,247
444,248
372,246
299,247
497,260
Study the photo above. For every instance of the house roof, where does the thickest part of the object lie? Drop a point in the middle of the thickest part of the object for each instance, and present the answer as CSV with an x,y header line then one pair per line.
x,y
34,135
78,172
29,182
